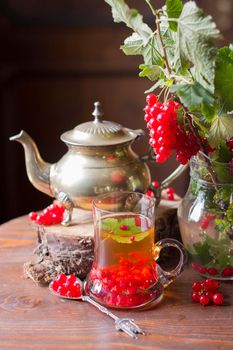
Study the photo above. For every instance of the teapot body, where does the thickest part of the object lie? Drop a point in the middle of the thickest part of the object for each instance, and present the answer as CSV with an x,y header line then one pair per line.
x,y
86,172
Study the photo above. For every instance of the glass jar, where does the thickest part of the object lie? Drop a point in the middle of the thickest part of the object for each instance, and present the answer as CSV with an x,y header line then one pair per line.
x,y
205,218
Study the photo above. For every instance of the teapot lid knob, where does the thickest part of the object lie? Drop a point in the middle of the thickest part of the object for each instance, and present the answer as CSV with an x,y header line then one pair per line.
x,y
98,112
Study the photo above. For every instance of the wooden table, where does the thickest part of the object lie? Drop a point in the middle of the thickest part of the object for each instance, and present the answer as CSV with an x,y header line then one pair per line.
x,y
31,318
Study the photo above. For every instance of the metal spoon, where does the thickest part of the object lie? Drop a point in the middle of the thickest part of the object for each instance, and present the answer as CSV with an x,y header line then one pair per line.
x,y
126,325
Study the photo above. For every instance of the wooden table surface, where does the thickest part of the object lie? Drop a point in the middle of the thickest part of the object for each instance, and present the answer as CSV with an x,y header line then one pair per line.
x,y
31,318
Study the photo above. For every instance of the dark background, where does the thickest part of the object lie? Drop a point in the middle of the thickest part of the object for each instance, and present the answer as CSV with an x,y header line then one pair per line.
x,y
57,58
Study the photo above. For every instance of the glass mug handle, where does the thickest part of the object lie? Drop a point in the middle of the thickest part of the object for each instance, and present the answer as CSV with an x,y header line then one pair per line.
x,y
167,277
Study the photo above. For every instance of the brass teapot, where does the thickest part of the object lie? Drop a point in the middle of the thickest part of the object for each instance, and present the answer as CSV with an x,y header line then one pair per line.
x,y
99,160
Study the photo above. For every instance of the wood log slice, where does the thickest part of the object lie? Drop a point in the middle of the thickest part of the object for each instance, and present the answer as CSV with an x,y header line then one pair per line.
x,y
71,249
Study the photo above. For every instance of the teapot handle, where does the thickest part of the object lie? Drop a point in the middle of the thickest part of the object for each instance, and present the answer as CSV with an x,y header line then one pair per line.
x,y
168,180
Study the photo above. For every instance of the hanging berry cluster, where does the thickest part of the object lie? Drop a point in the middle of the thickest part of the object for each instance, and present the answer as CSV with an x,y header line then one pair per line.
x,y
166,134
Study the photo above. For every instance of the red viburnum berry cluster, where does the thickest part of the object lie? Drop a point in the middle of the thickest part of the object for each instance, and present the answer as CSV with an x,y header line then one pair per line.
x,y
165,132
67,286
207,292
51,215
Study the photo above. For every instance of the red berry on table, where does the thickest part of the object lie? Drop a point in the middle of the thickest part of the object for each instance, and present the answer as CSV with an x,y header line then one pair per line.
x,y
218,298
227,272
211,284
74,291
196,297
32,216
71,279
210,294
212,271
202,269
62,290
204,299
197,286
194,266
53,214
132,238
61,278
55,285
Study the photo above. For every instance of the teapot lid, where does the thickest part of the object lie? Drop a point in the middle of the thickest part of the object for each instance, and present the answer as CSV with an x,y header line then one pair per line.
x,y
99,132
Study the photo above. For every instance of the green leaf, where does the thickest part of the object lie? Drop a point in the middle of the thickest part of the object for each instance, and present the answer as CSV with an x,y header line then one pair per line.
x,y
202,250
211,249
221,129
113,230
113,225
126,239
122,13
134,45
151,72
224,77
174,9
193,96
223,154
194,35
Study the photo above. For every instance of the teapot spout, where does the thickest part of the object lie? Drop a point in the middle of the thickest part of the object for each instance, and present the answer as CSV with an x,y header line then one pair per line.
x,y
38,170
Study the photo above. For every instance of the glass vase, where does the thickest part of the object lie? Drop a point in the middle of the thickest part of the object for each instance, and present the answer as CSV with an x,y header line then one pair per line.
x,y
205,218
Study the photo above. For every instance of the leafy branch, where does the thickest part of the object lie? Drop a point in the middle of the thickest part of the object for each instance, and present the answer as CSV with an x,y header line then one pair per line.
x,y
180,58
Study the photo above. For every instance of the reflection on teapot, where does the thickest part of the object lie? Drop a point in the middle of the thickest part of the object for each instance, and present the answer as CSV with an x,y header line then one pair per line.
x,y
99,160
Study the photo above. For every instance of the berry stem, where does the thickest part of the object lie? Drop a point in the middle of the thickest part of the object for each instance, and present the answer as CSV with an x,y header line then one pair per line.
x,y
157,16
204,154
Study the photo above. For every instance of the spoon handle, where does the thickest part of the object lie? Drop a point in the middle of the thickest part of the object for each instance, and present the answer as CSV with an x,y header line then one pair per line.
x,y
126,325
100,307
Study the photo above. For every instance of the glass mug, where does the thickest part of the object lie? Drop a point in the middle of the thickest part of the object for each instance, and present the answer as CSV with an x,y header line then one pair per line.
x,y
125,273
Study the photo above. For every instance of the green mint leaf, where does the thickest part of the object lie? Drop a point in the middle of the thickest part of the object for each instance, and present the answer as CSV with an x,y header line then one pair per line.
x,y
174,9
193,96
113,225
224,77
122,13
109,224
221,129
134,45
151,72
126,239
194,34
